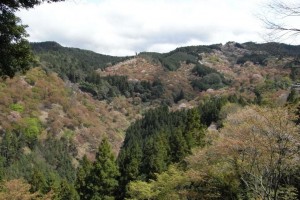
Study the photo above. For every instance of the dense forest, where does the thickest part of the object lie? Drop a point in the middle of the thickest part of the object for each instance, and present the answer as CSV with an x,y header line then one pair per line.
x,y
61,123
71,63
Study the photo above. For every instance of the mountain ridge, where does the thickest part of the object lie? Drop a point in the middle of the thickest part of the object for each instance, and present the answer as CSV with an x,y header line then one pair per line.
x,y
153,109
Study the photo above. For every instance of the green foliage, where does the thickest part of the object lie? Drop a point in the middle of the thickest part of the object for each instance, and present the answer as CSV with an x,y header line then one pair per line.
x,y
16,5
178,146
10,146
58,153
255,58
140,190
194,131
288,193
17,107
104,173
66,191
172,60
38,182
31,127
270,85
72,63
112,86
210,110
198,49
202,70
99,180
16,55
165,186
43,166
155,157
273,48
214,172
159,139
15,51
239,162
82,181
212,79
207,78
293,96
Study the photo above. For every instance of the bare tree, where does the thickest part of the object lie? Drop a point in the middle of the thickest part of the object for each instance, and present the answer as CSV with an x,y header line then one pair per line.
x,y
258,146
278,19
264,146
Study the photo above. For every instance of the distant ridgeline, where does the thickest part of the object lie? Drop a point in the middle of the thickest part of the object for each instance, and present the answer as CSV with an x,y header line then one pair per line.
x,y
261,52
274,49
172,60
79,66
72,63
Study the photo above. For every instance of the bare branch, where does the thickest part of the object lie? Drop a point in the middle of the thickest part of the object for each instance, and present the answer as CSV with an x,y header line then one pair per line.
x,y
278,13
281,8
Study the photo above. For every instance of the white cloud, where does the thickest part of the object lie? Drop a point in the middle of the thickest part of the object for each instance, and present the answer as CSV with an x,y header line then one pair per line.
x,y
119,27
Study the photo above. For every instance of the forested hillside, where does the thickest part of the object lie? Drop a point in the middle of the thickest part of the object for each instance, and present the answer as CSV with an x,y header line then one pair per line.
x,y
199,122
71,63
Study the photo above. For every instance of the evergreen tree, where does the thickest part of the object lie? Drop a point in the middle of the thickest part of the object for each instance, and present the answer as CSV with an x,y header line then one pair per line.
x,y
102,180
292,98
10,148
129,161
82,179
194,132
210,110
66,191
14,48
158,140
179,146
38,182
155,156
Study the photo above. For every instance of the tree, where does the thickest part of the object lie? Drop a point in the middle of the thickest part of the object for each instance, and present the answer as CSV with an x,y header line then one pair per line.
x,y
261,146
293,97
179,146
66,191
129,162
194,131
255,156
102,180
15,53
279,14
16,189
167,185
155,156
38,182
82,179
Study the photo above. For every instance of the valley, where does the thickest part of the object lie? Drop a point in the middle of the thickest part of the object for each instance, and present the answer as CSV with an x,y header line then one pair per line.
x,y
169,118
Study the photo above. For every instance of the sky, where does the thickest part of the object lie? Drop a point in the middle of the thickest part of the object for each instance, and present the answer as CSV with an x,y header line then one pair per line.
x,y
124,27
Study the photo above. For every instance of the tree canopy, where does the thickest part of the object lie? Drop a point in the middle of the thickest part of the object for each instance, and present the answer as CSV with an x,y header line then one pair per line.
x,y
16,5
98,180
15,52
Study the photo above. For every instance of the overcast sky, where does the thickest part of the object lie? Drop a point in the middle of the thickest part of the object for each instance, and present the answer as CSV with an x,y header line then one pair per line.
x,y
123,27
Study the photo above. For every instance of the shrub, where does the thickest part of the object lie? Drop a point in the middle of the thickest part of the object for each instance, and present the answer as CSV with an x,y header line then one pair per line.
x,y
17,107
